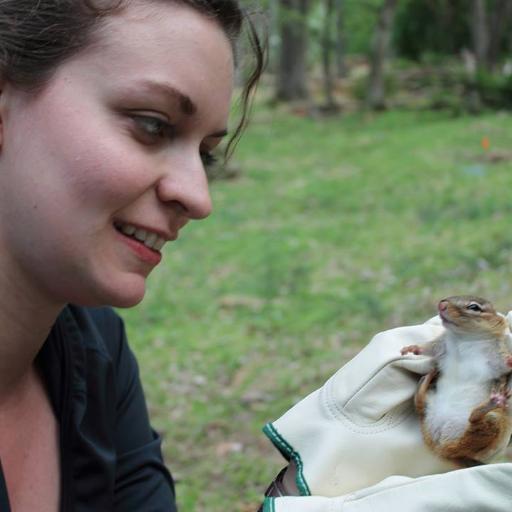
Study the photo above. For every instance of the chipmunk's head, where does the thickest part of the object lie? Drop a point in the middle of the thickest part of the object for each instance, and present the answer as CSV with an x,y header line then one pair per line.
x,y
468,314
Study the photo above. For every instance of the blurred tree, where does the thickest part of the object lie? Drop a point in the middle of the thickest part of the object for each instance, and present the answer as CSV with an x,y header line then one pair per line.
x,y
292,69
375,99
480,33
499,26
438,27
333,49
341,68
271,10
446,27
359,18
491,21
327,55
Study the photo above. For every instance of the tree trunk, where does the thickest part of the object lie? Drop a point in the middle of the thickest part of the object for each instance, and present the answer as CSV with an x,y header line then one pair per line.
x,y
480,34
499,21
341,67
327,48
292,76
380,50
273,35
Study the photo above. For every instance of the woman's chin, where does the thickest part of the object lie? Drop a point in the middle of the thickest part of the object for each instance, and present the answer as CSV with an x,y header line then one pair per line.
x,y
125,295
127,298
126,302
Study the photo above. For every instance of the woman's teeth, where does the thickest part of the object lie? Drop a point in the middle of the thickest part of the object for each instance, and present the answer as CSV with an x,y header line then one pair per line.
x,y
148,238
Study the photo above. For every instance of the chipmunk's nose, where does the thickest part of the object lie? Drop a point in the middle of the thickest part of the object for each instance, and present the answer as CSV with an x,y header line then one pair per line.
x,y
443,304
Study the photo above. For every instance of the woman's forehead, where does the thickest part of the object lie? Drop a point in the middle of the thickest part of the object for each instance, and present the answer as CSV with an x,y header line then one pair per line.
x,y
160,18
171,44
165,31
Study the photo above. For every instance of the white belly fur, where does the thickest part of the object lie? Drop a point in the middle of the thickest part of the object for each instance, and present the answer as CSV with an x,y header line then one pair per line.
x,y
465,381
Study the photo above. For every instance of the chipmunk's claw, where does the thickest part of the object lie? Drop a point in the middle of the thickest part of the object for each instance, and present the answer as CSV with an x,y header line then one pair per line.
x,y
413,349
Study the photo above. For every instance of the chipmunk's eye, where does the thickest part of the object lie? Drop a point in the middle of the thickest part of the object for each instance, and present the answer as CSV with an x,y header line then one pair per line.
x,y
474,306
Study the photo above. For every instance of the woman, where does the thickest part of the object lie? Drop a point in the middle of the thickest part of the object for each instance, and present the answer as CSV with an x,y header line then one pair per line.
x,y
109,112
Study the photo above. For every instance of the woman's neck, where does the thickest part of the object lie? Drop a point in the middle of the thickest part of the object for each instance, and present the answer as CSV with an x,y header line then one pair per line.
x,y
26,317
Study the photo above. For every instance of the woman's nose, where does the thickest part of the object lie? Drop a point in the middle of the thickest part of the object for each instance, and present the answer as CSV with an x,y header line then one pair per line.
x,y
185,183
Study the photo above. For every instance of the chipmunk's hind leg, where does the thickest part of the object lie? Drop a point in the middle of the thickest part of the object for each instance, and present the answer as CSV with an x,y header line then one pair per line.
x,y
501,392
486,426
420,398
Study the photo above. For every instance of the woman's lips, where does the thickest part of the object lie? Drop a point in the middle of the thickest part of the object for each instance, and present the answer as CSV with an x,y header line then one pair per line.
x,y
147,255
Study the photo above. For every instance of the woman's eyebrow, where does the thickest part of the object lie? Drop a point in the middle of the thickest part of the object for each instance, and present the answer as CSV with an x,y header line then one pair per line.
x,y
186,105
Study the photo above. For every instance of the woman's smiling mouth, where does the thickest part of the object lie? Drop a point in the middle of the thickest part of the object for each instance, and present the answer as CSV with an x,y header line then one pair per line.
x,y
145,243
148,238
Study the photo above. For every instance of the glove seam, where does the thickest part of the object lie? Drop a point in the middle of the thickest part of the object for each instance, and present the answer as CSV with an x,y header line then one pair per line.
x,y
332,404
288,452
269,505
387,422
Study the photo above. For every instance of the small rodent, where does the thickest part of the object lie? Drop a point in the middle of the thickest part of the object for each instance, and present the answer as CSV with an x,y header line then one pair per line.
x,y
463,402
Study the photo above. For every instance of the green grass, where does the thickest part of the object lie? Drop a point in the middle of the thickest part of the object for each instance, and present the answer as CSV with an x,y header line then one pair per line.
x,y
337,229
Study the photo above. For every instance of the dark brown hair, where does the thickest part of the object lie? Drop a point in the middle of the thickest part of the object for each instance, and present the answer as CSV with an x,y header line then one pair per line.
x,y
36,36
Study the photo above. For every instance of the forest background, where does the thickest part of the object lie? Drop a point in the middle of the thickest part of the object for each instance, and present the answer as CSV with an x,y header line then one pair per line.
x,y
373,180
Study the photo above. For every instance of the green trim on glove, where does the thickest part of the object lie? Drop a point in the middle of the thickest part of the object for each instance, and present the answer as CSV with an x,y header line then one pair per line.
x,y
269,505
288,453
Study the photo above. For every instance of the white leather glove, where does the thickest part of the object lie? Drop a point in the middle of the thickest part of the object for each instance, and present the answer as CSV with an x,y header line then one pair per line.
x,y
478,489
361,427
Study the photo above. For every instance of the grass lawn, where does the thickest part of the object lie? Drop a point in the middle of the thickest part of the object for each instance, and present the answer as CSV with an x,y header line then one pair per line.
x,y
337,229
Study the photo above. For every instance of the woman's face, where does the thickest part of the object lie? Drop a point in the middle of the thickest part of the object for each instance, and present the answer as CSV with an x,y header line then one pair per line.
x,y
113,142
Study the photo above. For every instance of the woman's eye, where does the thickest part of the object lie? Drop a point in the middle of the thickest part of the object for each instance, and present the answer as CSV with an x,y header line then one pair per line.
x,y
208,158
152,129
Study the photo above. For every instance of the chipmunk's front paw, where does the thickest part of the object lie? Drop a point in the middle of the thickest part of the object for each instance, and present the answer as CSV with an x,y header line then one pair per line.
x,y
508,361
412,349
500,397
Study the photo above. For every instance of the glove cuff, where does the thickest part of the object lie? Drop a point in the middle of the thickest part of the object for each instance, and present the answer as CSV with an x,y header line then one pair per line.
x,y
269,505
291,455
